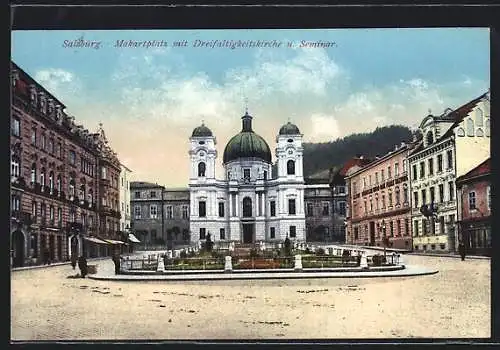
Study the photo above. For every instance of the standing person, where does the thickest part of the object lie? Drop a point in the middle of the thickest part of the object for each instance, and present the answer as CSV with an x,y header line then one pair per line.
x,y
82,265
73,260
116,260
461,250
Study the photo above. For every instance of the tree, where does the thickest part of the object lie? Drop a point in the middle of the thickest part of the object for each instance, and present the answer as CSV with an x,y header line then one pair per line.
x,y
208,243
288,247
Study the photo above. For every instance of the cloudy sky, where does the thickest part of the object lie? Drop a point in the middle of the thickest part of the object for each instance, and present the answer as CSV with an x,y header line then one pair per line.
x,y
150,99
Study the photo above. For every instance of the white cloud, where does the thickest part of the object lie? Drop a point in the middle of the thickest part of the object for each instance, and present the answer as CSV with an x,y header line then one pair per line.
x,y
323,128
60,83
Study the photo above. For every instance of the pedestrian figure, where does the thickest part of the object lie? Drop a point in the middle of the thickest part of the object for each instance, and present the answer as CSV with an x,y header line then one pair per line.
x,y
116,260
82,265
73,260
461,250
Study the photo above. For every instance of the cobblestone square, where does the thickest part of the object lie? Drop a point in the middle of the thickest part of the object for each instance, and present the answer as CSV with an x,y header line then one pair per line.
x,y
46,305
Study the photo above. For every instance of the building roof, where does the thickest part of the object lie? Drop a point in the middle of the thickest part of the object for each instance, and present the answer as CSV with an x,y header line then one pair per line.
x,y
247,144
458,115
201,131
142,184
289,129
481,170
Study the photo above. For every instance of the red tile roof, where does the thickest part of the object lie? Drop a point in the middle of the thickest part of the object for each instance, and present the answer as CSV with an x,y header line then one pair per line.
x,y
482,169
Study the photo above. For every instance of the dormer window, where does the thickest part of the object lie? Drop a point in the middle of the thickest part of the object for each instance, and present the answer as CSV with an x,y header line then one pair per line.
x,y
430,138
479,118
246,174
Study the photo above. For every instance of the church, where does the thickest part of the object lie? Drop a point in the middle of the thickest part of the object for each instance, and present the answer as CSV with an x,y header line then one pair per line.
x,y
250,203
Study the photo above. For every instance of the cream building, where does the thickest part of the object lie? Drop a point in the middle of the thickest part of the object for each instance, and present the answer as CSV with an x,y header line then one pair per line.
x,y
452,144
125,178
250,203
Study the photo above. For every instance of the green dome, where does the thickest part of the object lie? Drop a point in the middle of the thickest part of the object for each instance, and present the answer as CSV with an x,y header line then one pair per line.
x,y
289,129
247,144
201,131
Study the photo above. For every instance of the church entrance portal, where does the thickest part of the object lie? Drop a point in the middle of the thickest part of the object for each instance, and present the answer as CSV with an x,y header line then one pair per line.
x,y
248,233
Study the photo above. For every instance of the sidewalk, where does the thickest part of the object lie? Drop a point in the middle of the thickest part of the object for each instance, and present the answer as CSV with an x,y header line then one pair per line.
x,y
54,264
450,255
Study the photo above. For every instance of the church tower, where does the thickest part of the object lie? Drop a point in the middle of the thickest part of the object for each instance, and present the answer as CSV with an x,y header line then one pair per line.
x,y
289,154
203,155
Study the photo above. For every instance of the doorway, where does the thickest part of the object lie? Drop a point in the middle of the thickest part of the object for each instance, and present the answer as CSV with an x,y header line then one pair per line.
x,y
17,245
248,233
59,248
372,233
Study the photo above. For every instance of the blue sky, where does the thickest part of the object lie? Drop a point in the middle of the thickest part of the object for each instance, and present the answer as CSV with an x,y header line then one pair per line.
x,y
156,96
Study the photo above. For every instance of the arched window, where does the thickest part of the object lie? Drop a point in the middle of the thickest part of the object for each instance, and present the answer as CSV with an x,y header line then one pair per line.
x,y
290,167
33,173
479,132
487,128
460,132
430,138
479,117
201,169
51,182
247,207
470,127
89,197
72,186
81,194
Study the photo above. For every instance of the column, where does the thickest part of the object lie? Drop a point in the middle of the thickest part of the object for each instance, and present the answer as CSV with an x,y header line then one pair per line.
x,y
262,204
230,204
237,204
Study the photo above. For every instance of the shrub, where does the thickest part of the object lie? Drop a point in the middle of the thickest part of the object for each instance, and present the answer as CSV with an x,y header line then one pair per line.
x,y
254,253
288,247
308,251
216,254
320,251
183,254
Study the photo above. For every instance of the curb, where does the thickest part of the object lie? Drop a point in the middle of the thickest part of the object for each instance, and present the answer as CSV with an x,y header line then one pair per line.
x,y
279,276
473,257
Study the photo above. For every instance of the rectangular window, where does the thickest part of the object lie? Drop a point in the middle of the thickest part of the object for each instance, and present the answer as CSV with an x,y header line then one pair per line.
x,y
291,207
293,231
449,158
440,163
383,202
72,157
407,227
326,209
185,212
137,212
391,228
389,175
342,208
103,173
202,209
398,196
432,193
222,233
451,189
396,169
356,233
272,205
309,209
488,197
153,211
472,200
390,200
376,178
265,174
422,170
441,193
170,212
59,215
415,228
441,225
152,194
405,195
33,136
382,178
221,209
43,144
414,172
424,197
424,226
415,199
16,127
430,162
203,233
272,233
137,194
246,174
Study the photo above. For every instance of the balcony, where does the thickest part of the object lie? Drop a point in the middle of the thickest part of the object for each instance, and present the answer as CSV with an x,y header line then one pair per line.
x,y
104,182
22,217
18,182
106,210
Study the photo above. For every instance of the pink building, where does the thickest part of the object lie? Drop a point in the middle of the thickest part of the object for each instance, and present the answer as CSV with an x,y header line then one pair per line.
x,y
379,202
474,209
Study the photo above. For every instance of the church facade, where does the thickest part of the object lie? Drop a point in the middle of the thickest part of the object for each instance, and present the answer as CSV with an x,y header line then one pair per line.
x,y
250,203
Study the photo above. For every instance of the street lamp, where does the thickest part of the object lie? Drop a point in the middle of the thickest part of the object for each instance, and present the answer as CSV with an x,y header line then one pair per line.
x,y
385,240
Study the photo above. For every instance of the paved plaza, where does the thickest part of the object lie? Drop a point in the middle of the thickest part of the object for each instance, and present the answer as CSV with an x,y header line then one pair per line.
x,y
454,303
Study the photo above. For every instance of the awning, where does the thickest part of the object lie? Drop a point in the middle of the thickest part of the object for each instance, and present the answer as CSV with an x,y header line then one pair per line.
x,y
133,238
95,240
112,241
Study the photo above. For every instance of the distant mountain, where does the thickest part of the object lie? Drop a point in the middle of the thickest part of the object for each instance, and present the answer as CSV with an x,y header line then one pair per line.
x,y
319,157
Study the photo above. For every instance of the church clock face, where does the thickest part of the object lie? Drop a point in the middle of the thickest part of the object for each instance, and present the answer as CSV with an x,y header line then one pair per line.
x,y
202,154
290,151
